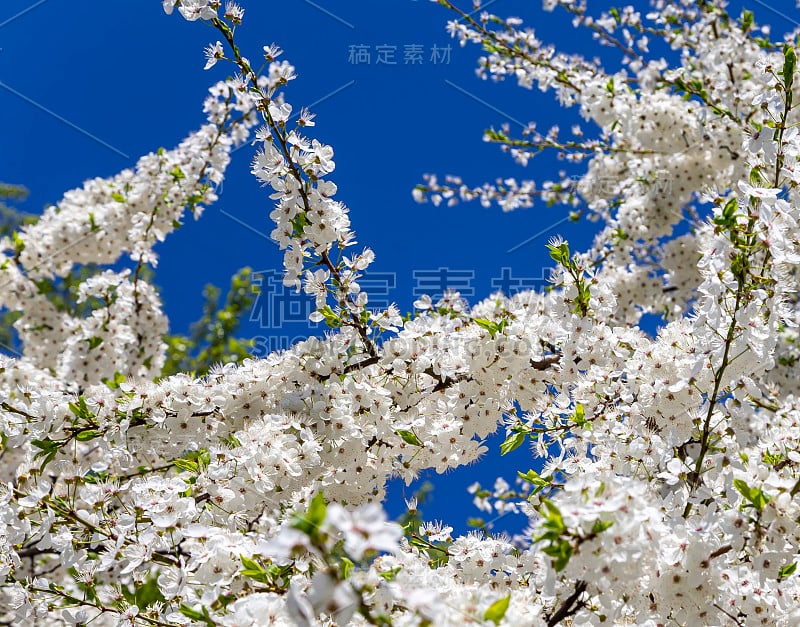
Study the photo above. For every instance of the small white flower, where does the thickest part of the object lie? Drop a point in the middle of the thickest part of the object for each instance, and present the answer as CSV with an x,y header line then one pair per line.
x,y
214,52
364,529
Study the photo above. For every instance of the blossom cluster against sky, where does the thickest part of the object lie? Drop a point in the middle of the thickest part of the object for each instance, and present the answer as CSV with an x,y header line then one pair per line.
x,y
85,95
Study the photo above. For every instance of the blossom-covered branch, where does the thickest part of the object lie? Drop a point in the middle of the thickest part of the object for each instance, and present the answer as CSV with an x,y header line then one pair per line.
x,y
668,458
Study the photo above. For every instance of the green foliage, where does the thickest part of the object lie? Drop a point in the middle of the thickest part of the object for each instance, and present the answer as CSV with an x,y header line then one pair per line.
x,y
212,338
787,571
755,497
409,437
491,326
11,220
310,522
497,610
143,594
555,532
193,462
536,480
48,449
514,439
789,66
559,252
580,417
411,522
747,20
269,574
332,319
7,320
201,616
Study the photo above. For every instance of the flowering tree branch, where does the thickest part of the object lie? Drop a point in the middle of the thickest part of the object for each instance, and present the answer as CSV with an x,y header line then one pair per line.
x,y
251,495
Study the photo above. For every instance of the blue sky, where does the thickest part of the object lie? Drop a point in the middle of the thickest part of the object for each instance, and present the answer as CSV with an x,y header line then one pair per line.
x,y
85,93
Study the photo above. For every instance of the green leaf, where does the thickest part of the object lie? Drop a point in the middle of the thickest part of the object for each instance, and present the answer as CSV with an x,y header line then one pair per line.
x,y
254,570
202,616
787,571
310,522
409,437
185,464
789,65
489,325
230,440
256,575
560,253
94,342
728,217
512,441
755,497
773,459
332,320
560,551
49,449
747,20
497,610
345,568
19,245
47,459
531,476
114,383
46,446
299,224
553,518
81,409
177,173
201,456
580,416
534,478
143,594
389,575
251,564
742,488
118,197
600,526
191,613
88,434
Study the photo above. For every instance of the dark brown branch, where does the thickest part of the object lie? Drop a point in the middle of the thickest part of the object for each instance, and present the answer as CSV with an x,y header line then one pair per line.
x,y
571,605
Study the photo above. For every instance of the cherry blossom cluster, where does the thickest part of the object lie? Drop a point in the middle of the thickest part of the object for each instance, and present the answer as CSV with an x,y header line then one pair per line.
x,y
116,323
667,480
